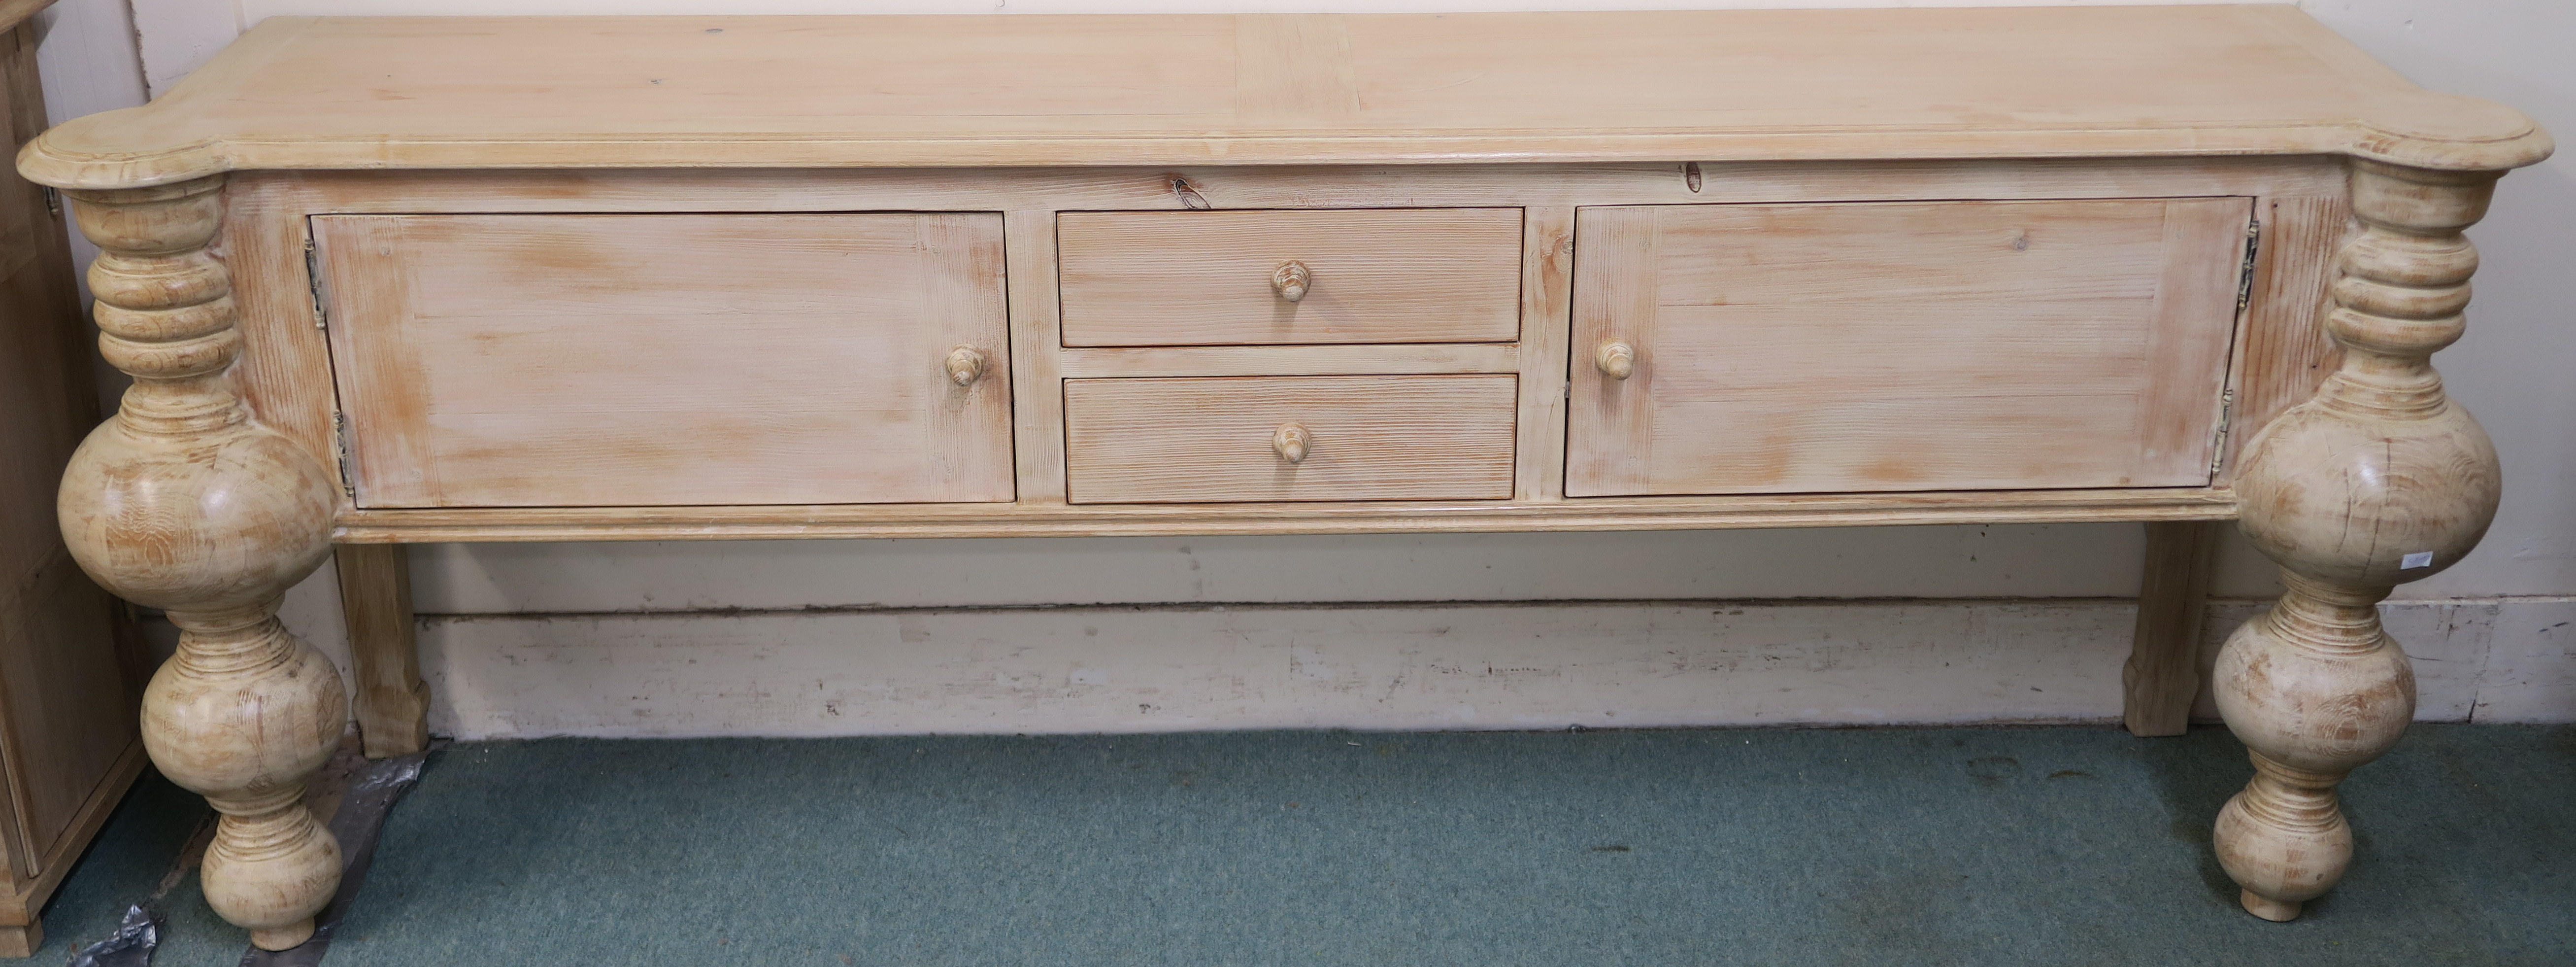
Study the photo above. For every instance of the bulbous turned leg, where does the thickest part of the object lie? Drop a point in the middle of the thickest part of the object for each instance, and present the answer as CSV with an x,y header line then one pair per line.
x,y
243,715
2379,479
2315,689
183,502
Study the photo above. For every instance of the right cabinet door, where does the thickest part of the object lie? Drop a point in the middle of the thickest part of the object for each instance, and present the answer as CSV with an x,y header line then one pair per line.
x,y
1970,345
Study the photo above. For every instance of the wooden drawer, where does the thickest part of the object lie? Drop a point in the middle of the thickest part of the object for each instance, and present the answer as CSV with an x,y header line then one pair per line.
x,y
1913,346
1219,439
1208,278
622,360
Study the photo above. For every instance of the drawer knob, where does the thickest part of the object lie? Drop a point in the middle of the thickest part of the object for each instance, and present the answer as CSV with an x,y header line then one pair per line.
x,y
1290,441
965,365
1617,360
1291,279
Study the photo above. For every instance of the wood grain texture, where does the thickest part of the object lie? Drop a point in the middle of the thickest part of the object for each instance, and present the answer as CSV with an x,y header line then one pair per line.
x,y
375,597
1372,517
1461,185
1210,440
1293,68
2379,479
716,277
1416,359
2283,353
1826,348
184,502
889,91
2161,678
1037,396
1547,289
284,375
286,370
1207,278
668,359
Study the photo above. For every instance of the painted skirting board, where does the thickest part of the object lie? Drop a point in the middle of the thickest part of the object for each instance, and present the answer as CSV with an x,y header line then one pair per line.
x,y
1454,666
523,642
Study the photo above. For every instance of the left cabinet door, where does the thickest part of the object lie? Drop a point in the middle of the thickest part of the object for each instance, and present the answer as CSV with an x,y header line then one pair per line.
x,y
647,359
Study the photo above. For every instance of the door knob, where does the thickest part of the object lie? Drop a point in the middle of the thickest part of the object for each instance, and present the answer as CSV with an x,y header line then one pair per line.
x,y
1617,360
1290,441
1291,280
965,365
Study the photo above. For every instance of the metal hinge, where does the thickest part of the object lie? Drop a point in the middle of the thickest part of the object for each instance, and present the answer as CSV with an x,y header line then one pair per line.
x,y
2245,273
340,436
2218,447
313,280
53,202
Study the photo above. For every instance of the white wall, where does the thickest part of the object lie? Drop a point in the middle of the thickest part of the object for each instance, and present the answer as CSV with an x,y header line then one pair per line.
x,y
85,53
780,638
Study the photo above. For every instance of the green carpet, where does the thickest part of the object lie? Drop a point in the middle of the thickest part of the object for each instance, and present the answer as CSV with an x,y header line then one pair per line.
x,y
1921,847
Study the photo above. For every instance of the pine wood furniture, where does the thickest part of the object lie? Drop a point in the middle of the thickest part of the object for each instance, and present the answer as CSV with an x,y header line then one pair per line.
x,y
385,281
71,671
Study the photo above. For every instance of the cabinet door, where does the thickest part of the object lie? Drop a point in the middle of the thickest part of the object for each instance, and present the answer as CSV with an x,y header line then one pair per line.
x,y
621,360
1901,346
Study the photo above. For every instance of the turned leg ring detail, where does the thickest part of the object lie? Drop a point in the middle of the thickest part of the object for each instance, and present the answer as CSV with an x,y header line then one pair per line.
x,y
2378,480
183,502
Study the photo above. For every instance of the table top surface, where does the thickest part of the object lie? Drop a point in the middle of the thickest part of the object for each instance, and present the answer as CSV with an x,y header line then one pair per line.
x,y
726,91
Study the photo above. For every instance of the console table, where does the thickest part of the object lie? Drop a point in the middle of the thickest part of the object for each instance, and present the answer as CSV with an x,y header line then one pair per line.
x,y
390,280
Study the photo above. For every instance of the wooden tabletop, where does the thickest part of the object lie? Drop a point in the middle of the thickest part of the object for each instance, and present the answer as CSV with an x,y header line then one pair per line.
x,y
723,91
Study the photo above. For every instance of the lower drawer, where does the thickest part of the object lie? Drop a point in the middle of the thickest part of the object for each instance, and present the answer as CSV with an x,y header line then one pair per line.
x,y
1266,438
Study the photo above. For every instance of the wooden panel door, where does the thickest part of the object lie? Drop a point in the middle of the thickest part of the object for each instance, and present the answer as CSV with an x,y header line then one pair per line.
x,y
620,360
1901,346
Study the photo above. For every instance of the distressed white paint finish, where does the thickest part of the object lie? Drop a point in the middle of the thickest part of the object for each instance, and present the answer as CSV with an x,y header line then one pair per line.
x,y
177,35
1465,666
85,50
1122,669
2530,671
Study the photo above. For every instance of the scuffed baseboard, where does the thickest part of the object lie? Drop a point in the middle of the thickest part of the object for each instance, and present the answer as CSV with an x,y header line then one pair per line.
x,y
1392,666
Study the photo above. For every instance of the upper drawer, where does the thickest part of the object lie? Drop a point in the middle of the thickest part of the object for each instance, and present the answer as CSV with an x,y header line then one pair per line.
x,y
625,360
1226,278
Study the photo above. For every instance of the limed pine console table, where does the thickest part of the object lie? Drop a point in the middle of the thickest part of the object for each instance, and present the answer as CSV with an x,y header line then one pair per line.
x,y
385,281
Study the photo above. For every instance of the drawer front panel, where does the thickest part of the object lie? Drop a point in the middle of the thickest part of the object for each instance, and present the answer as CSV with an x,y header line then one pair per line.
x,y
632,360
1213,278
1221,439
1894,347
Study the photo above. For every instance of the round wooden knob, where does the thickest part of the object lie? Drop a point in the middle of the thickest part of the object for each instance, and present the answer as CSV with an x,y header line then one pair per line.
x,y
1617,360
1291,280
1291,442
965,365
